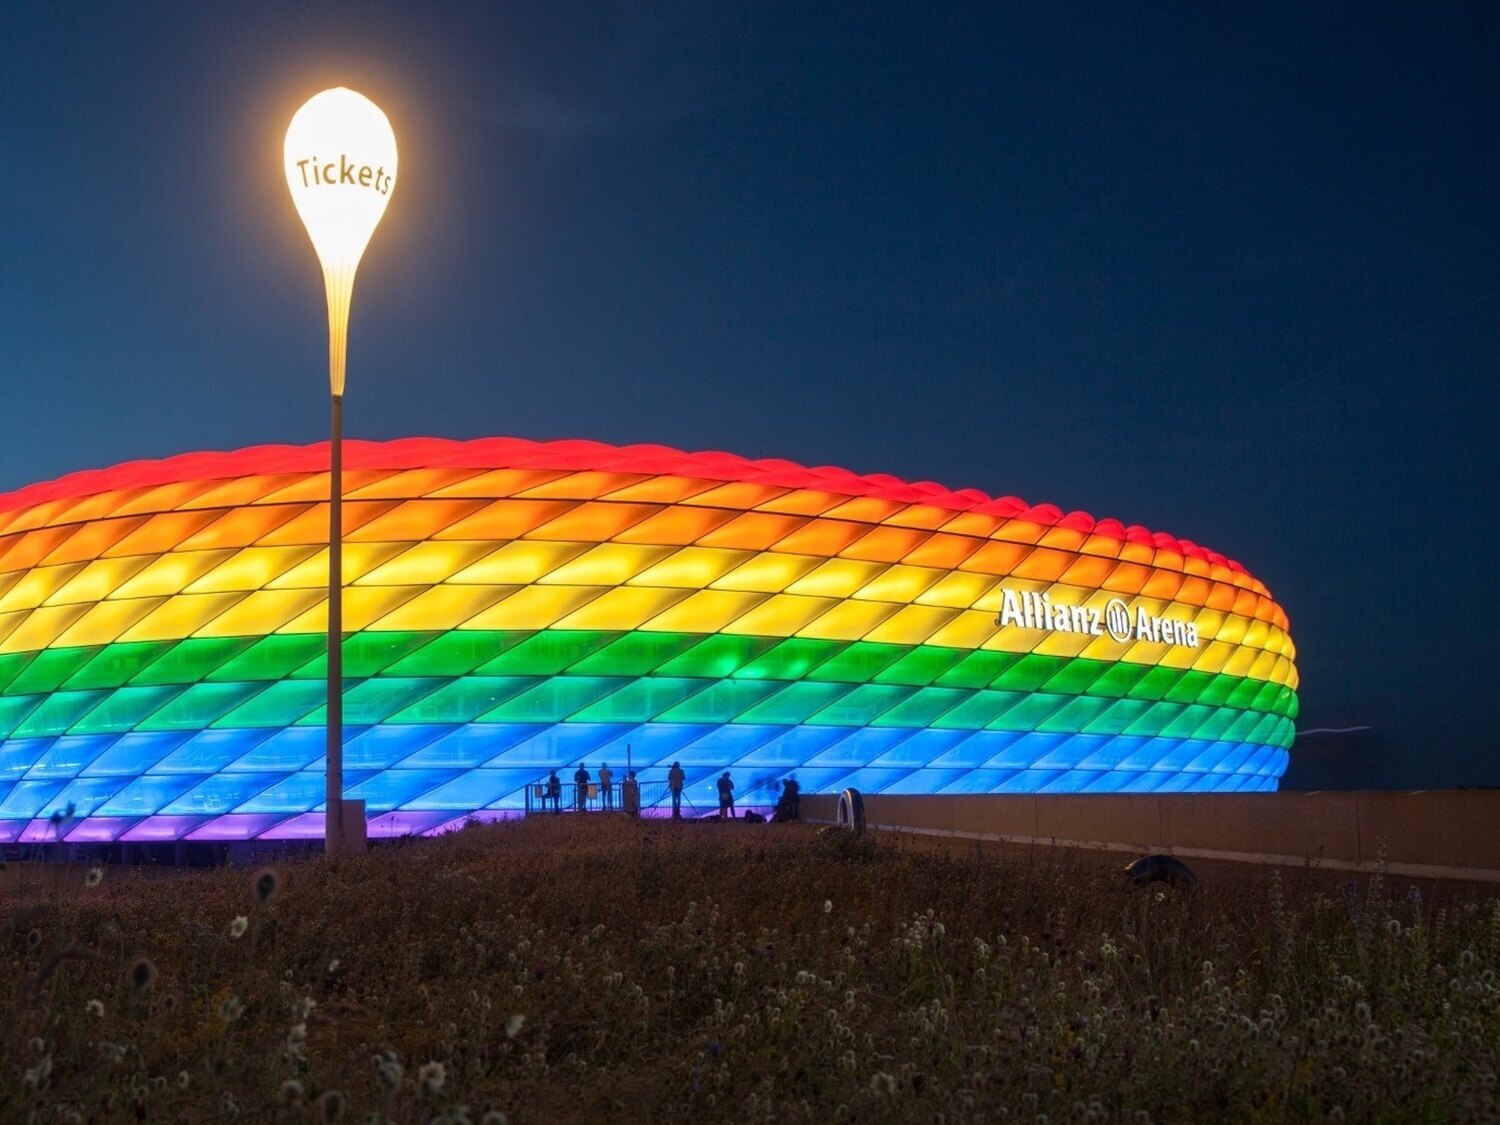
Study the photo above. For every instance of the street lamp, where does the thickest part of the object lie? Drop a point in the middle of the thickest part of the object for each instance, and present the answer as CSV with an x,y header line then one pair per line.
x,y
340,158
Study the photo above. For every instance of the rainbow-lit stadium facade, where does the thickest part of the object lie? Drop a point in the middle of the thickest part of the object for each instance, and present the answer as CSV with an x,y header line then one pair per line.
x,y
513,607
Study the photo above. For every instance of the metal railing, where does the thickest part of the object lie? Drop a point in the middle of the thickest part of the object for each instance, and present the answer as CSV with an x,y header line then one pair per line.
x,y
655,798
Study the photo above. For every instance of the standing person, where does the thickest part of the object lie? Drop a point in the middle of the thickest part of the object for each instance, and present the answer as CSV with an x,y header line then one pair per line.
x,y
554,789
726,796
606,786
783,810
630,795
793,794
675,780
581,787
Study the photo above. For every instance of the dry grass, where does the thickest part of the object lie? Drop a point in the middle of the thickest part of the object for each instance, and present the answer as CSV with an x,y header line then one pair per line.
x,y
609,970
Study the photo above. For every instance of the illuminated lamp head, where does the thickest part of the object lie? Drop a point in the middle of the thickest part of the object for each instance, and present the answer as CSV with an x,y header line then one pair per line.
x,y
340,158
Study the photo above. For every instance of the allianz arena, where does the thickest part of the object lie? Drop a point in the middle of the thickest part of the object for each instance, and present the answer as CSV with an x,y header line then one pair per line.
x,y
513,607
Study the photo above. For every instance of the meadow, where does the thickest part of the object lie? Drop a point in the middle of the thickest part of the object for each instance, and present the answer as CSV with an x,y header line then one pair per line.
x,y
601,969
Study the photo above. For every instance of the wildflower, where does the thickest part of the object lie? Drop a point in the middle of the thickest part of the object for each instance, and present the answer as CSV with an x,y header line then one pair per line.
x,y
230,1008
388,1067
1466,958
266,885
95,1008
513,1025
1393,927
142,974
296,1039
827,906
331,1106
333,966
36,1075
94,877
882,1083
430,1078
238,927
183,1078
36,1045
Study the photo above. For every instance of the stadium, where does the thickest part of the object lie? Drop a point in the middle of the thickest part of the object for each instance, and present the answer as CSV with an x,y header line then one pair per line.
x,y
513,607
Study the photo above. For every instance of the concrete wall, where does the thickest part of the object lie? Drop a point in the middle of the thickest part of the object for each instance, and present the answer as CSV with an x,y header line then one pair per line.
x,y
1444,833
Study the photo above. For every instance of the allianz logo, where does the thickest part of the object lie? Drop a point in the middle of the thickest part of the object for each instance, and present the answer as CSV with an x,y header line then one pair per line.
x,y
1030,610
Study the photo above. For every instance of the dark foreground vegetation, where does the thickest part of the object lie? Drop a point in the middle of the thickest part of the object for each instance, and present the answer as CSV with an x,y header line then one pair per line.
x,y
603,970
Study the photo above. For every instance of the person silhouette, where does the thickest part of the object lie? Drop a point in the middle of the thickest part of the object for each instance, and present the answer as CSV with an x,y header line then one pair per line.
x,y
581,787
787,805
726,796
675,780
606,787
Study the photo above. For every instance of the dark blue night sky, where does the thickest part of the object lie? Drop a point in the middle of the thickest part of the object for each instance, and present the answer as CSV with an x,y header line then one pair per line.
x,y
1225,270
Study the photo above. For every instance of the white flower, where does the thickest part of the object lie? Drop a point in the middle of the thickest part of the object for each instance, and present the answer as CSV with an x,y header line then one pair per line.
x,y
827,906
183,1079
36,1075
96,1008
430,1078
230,1009
296,1039
94,877
333,966
513,1025
238,927
388,1067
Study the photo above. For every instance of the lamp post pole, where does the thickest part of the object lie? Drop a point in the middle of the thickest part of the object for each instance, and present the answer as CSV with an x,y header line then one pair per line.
x,y
333,826
340,164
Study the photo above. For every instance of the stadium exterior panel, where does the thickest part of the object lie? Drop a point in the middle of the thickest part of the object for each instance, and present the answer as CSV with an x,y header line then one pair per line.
x,y
513,607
